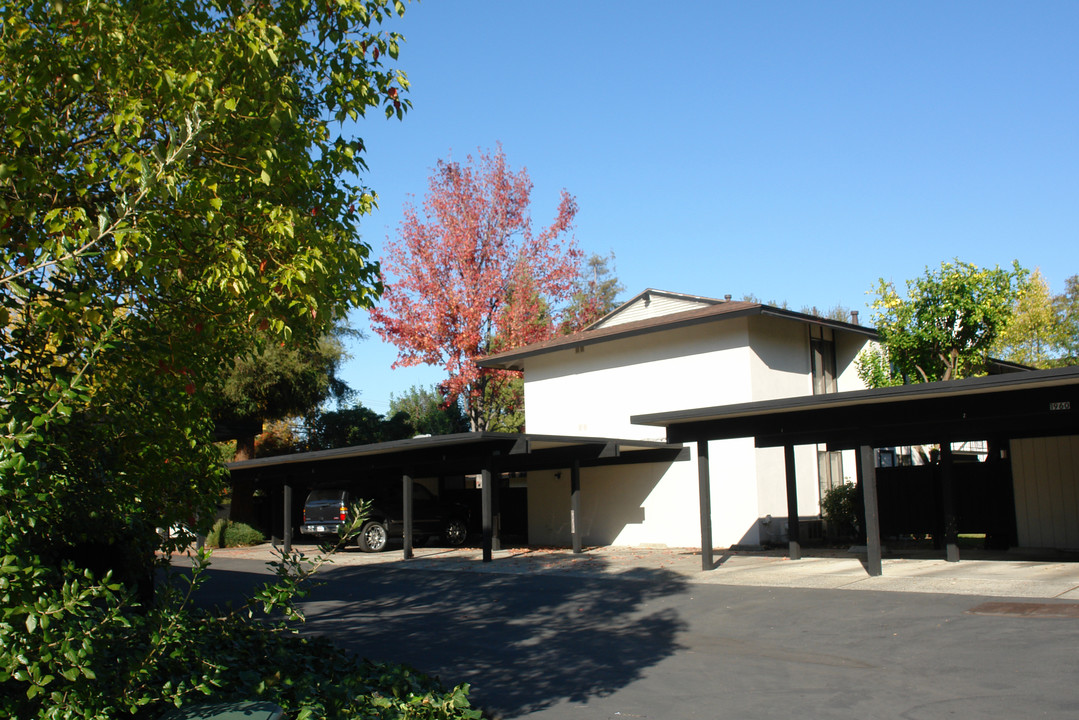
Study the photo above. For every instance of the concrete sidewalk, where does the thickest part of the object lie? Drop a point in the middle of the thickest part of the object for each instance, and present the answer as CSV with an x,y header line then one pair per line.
x,y
1005,575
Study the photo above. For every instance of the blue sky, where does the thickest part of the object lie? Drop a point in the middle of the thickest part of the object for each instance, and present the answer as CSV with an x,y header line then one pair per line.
x,y
795,151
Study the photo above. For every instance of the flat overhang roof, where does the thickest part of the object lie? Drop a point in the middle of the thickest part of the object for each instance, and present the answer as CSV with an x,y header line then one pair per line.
x,y
510,451
1021,404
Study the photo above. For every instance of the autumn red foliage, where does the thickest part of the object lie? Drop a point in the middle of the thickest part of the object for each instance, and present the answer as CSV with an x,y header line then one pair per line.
x,y
467,276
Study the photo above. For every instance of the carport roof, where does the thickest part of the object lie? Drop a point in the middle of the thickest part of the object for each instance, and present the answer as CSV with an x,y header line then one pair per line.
x,y
1024,404
469,452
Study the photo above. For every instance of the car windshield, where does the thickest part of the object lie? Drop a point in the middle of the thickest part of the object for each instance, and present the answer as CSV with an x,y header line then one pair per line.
x,y
324,496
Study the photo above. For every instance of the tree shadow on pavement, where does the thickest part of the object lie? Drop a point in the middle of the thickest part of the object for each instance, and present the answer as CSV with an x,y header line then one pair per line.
x,y
524,642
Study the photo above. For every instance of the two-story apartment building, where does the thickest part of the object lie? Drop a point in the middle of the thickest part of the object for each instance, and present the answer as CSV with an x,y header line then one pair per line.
x,y
663,350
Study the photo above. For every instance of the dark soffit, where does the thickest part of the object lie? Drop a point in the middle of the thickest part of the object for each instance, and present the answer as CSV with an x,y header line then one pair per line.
x,y
1026,404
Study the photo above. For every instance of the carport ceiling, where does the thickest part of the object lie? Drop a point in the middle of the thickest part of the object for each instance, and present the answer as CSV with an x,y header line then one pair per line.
x,y
1037,403
469,453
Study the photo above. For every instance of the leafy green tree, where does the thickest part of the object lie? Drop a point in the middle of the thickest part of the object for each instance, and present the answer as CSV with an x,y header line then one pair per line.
x,y
944,328
357,425
836,312
430,412
172,177
280,380
596,293
1032,335
1066,312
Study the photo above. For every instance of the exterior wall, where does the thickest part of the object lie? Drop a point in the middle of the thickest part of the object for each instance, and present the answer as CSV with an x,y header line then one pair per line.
x,y
781,368
594,390
1045,474
847,348
652,504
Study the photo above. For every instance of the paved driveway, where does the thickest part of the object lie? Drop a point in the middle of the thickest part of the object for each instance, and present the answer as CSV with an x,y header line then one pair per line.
x,y
547,635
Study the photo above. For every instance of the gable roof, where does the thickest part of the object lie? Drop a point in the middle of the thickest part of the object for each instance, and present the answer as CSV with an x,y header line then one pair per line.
x,y
653,303
721,311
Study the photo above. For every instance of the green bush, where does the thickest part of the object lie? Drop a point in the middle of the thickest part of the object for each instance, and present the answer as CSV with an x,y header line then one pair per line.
x,y
239,535
838,507
216,537
226,533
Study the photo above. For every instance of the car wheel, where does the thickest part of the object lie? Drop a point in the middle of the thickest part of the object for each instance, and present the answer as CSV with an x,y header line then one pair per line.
x,y
373,537
456,532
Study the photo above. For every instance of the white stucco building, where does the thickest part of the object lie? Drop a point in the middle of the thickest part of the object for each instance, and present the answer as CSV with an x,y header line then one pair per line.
x,y
662,351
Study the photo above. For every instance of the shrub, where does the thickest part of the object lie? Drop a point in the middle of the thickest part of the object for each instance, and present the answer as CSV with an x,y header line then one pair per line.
x,y
838,507
239,535
226,533
216,537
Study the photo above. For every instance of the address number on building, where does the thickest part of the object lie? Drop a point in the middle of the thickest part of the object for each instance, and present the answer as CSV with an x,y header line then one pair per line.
x,y
1054,406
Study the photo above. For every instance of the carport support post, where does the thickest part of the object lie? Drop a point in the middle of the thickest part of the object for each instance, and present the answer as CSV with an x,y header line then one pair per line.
x,y
287,532
794,535
704,482
947,504
485,511
575,504
867,476
406,496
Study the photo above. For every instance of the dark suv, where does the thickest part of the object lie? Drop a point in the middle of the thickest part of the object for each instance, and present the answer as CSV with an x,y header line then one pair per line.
x,y
326,510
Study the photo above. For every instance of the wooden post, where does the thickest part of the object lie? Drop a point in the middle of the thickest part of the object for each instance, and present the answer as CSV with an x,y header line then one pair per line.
x,y
406,501
947,504
496,510
867,476
575,505
794,535
287,532
485,513
704,484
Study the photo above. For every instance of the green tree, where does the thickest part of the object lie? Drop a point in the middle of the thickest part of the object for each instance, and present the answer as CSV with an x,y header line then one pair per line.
x,y
1066,312
596,293
357,425
1032,335
944,328
430,412
280,380
172,176
836,312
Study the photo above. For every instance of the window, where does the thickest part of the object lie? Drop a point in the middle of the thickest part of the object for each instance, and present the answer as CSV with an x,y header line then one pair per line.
x,y
822,359
829,470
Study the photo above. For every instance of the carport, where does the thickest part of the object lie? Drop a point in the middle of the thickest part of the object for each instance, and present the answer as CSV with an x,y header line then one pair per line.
x,y
486,454
999,408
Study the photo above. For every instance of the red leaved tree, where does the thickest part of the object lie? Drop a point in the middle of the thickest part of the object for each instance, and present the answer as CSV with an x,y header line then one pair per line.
x,y
468,277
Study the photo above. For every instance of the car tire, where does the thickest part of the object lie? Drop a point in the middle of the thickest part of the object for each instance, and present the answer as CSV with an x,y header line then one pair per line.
x,y
455,532
373,536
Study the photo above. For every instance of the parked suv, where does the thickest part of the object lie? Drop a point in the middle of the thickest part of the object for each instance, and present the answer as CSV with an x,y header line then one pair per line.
x,y
326,510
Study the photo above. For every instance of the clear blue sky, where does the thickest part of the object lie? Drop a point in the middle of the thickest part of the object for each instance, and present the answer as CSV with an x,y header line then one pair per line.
x,y
795,151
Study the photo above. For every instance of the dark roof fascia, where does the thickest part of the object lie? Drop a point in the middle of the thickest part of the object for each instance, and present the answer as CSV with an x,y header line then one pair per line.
x,y
868,332
492,443
984,384
732,310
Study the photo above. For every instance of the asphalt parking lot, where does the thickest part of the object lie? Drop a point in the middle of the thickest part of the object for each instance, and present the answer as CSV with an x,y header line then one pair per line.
x,y
630,633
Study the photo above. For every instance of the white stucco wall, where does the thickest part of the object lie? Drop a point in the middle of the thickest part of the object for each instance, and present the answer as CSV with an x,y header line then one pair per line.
x,y
594,390
847,348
